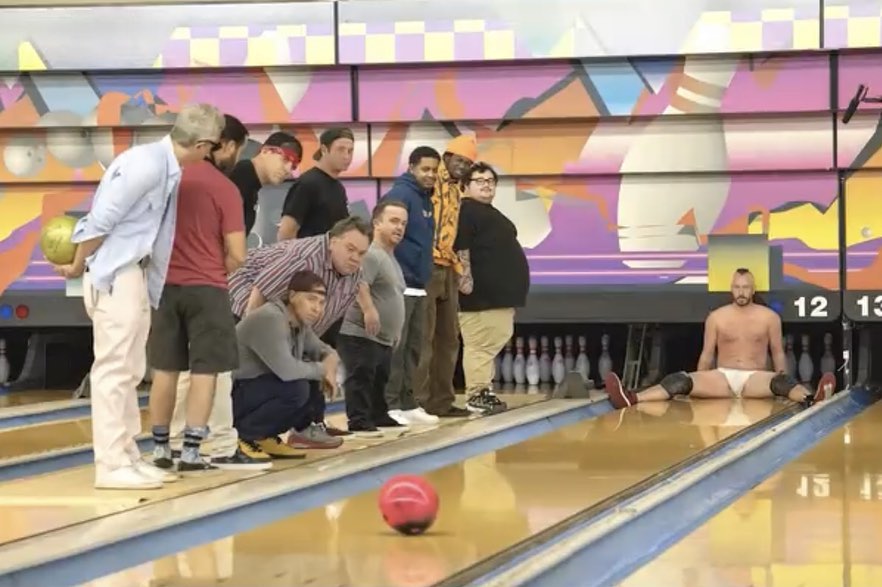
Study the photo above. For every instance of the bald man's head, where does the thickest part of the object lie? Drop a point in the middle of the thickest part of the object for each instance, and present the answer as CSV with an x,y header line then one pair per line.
x,y
743,287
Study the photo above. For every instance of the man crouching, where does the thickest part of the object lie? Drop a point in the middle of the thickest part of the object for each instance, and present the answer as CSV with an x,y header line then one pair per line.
x,y
277,348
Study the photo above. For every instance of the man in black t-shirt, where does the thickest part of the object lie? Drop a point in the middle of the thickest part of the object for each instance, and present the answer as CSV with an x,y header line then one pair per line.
x,y
279,156
317,200
495,280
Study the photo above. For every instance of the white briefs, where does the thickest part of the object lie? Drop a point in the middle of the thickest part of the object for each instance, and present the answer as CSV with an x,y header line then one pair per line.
x,y
736,378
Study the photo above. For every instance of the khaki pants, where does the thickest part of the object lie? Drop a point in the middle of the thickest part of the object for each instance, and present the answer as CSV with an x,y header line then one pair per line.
x,y
120,326
483,336
222,438
433,377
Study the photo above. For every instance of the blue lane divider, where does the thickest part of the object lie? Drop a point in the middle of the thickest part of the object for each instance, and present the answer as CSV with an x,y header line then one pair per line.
x,y
104,560
56,460
53,415
615,556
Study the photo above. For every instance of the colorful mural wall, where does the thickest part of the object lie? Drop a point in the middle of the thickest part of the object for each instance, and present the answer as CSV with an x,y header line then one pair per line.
x,y
618,171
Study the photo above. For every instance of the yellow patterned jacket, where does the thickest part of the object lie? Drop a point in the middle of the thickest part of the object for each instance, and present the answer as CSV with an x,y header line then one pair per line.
x,y
445,205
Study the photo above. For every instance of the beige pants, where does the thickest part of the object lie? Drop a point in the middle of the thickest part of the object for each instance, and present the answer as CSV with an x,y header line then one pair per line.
x,y
120,326
222,438
483,336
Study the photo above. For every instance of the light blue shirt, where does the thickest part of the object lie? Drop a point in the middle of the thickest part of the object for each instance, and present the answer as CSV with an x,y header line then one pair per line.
x,y
135,209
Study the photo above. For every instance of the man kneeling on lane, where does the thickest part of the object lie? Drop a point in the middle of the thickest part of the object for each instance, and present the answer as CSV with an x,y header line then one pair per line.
x,y
279,355
742,334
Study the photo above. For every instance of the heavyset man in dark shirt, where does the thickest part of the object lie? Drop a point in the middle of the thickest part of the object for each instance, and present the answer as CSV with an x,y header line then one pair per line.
x,y
495,280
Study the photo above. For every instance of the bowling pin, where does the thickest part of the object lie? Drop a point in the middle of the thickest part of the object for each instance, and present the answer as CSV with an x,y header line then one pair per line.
x,y
508,364
569,355
828,361
533,362
520,363
4,363
806,367
544,362
789,355
650,212
558,366
583,365
604,364
341,379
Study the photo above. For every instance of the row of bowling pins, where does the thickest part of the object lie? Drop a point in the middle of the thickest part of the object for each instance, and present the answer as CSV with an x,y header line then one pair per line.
x,y
538,365
804,368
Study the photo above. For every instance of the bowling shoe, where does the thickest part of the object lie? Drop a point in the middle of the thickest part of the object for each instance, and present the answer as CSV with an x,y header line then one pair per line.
x,y
618,397
277,449
313,437
153,472
486,402
414,417
825,389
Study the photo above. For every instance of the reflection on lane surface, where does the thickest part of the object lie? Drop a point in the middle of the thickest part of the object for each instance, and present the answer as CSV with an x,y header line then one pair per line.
x,y
817,522
488,503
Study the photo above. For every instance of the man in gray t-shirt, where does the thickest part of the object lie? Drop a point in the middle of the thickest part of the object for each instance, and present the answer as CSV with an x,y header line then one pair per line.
x,y
372,326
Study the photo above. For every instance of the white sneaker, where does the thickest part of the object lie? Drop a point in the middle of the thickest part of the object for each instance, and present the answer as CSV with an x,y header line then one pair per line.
x,y
125,478
420,416
155,473
399,417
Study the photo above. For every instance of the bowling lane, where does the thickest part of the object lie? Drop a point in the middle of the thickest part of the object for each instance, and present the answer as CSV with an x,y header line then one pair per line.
x,y
817,522
35,396
38,438
488,503
41,503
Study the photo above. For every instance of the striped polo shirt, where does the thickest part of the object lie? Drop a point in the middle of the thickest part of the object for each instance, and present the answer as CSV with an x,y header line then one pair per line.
x,y
269,269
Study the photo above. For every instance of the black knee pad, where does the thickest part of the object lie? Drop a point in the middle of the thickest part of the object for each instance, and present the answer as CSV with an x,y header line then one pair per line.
x,y
678,383
781,384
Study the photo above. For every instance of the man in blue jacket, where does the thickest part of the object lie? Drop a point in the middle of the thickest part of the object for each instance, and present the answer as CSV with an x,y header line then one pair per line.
x,y
414,255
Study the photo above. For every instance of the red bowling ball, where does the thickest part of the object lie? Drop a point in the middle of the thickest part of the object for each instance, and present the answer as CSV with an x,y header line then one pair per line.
x,y
409,504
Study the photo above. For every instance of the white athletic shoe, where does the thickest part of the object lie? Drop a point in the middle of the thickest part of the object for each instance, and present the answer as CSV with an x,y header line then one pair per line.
x,y
420,416
153,472
125,478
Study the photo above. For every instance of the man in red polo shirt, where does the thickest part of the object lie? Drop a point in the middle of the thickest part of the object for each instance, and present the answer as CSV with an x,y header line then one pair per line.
x,y
193,328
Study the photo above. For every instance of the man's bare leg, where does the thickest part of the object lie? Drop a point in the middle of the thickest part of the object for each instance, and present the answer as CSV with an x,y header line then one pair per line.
x,y
162,404
766,384
700,384
200,400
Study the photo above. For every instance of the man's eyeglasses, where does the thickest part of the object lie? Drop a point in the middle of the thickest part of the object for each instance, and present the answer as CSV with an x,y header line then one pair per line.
x,y
483,180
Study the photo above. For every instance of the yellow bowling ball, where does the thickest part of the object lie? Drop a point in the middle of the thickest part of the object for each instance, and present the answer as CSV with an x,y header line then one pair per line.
x,y
55,240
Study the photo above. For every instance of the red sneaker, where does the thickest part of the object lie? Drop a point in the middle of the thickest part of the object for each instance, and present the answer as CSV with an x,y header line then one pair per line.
x,y
618,397
826,387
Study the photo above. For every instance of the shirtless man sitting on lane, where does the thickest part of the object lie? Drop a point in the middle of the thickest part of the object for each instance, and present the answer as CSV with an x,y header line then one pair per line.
x,y
742,334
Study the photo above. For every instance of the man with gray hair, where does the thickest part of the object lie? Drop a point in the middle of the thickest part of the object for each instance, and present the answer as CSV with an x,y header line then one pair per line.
x,y
124,247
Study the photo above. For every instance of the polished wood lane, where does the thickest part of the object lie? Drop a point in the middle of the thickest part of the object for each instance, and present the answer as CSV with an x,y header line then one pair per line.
x,y
46,502
33,396
41,438
817,522
488,503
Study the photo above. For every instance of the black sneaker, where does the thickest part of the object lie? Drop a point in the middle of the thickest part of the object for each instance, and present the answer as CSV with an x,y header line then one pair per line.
x,y
200,465
365,430
486,402
385,421
239,461
453,412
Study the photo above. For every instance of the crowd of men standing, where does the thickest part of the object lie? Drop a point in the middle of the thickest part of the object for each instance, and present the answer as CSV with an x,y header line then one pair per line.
x,y
245,346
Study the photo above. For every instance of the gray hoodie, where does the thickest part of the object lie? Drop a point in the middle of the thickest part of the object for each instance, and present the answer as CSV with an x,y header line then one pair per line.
x,y
270,343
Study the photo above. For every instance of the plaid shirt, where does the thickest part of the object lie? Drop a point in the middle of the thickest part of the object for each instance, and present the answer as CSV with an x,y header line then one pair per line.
x,y
269,269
